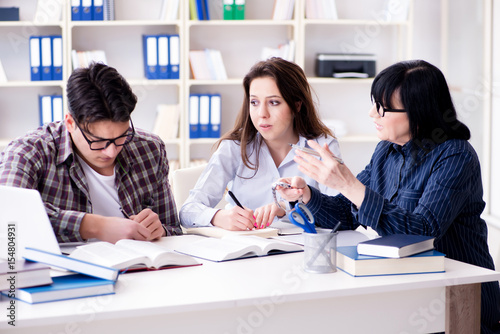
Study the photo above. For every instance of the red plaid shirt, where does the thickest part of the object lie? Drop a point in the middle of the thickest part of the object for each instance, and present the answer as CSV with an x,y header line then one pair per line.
x,y
44,160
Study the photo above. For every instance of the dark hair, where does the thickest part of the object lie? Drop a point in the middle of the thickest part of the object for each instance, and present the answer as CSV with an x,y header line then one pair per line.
x,y
426,98
99,93
294,88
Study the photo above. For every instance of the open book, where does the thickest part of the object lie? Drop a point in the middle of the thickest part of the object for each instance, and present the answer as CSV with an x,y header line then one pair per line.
x,y
131,255
218,232
232,247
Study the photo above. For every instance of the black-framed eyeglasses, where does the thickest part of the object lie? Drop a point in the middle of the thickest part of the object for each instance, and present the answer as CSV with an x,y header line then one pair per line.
x,y
384,110
101,144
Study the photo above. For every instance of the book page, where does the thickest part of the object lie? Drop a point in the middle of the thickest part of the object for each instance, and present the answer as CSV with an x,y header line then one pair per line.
x,y
158,255
107,254
265,245
219,249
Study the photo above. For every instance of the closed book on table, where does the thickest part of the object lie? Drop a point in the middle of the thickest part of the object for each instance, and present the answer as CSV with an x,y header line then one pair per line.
x,y
66,262
349,261
23,274
66,287
396,245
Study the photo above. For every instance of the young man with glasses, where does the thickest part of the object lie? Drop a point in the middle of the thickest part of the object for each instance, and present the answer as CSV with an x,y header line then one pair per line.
x,y
97,175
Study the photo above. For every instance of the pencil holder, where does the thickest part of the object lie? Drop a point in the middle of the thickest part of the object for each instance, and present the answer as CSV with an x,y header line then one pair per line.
x,y
320,252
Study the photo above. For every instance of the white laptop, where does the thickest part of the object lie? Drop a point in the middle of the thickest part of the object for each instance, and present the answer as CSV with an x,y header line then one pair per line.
x,y
22,210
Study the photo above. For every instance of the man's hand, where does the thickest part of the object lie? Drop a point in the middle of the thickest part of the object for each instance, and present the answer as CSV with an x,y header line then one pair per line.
x,y
151,221
112,229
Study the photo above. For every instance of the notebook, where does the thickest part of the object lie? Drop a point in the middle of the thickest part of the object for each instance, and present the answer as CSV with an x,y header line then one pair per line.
x,y
24,222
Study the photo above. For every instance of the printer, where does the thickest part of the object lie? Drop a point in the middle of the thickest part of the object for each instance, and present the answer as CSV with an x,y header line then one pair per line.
x,y
345,65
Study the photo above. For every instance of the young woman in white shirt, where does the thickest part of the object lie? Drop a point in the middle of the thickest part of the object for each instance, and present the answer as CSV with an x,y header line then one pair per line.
x,y
277,110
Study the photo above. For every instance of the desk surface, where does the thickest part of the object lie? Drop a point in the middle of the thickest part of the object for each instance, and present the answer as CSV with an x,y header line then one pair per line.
x,y
225,286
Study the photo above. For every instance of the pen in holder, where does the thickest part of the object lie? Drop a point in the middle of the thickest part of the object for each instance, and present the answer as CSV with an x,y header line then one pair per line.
x,y
320,251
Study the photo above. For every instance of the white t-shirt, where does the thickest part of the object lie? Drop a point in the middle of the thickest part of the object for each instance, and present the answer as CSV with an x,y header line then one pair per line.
x,y
103,192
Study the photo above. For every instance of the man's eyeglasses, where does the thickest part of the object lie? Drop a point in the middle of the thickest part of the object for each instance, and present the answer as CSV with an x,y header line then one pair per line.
x,y
381,110
101,144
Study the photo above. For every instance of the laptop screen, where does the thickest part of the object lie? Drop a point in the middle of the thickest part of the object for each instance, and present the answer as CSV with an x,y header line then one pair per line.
x,y
24,223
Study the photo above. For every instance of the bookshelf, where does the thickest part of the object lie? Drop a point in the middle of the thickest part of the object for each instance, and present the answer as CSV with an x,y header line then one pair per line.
x,y
357,29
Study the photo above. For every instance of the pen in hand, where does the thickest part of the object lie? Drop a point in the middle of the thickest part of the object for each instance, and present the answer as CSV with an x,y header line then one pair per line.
x,y
235,200
313,152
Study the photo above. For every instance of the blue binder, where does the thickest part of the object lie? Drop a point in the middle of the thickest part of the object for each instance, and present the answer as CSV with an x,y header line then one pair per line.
x,y
174,57
150,51
46,52
76,10
204,120
86,10
215,115
194,116
98,9
163,57
57,108
45,106
57,57
35,59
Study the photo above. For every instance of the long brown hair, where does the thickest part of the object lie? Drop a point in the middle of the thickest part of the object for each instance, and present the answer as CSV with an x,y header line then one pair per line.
x,y
295,90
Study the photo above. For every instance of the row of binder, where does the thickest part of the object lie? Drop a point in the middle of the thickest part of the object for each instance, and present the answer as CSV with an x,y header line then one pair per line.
x,y
204,115
51,108
234,9
92,10
161,56
46,57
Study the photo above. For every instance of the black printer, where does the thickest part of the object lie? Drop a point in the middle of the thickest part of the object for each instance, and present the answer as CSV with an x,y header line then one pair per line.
x,y
345,65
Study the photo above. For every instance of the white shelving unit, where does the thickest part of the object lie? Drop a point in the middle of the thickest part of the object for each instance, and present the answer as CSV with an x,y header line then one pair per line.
x,y
359,29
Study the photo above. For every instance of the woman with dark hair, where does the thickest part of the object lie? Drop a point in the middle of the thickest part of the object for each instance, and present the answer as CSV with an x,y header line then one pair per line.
x,y
424,177
277,110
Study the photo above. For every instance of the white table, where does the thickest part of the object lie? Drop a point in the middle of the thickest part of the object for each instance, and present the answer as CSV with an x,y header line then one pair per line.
x,y
263,295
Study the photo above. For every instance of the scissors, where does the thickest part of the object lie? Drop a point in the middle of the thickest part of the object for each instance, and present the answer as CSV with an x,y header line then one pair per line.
x,y
302,217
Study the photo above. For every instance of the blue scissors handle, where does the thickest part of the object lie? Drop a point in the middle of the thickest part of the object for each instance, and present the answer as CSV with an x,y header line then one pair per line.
x,y
302,217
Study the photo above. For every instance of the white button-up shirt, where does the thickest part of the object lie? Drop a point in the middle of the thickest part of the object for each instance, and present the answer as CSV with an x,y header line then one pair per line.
x,y
252,188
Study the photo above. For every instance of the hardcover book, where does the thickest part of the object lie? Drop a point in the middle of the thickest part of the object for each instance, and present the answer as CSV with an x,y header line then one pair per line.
x,y
65,287
396,245
23,274
354,264
68,263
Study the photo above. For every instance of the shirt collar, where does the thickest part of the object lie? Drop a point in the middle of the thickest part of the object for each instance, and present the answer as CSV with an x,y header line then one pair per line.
x,y
411,149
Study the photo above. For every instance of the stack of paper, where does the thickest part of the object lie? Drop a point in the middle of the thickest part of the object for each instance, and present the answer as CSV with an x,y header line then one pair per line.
x,y
207,65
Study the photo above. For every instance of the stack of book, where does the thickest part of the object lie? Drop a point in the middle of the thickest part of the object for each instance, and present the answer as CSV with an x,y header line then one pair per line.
x,y
283,9
391,255
169,10
198,10
84,58
321,9
167,121
207,65
31,282
94,269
